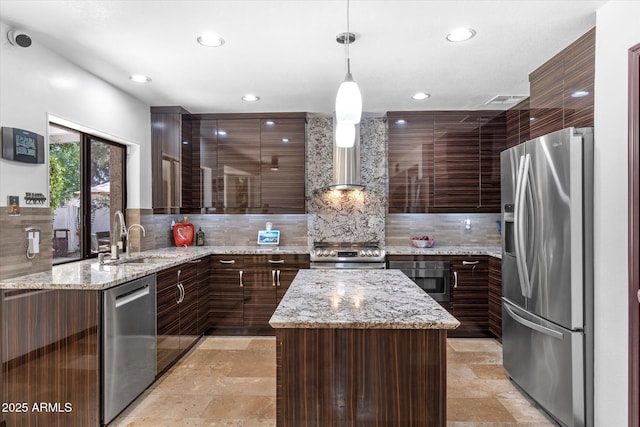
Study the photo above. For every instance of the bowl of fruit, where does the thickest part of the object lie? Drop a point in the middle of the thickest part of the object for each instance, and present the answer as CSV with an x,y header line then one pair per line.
x,y
423,241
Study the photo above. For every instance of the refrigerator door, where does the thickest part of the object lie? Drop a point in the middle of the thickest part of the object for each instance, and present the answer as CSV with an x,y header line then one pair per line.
x,y
550,221
510,169
545,361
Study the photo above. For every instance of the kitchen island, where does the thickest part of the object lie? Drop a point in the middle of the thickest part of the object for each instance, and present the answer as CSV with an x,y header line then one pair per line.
x,y
360,347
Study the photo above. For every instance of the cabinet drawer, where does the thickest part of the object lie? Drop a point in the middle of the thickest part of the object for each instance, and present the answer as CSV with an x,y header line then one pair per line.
x,y
471,263
277,261
227,261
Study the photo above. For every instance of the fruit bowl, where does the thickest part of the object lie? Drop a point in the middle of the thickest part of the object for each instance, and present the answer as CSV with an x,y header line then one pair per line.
x,y
423,242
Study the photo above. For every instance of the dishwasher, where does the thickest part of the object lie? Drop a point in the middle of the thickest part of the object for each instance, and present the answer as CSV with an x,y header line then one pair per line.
x,y
128,344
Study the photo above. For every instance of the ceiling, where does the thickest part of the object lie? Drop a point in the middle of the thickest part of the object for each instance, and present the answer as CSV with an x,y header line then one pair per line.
x,y
285,51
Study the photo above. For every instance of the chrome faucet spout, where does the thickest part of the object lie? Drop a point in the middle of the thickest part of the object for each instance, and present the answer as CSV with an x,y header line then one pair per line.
x,y
118,231
144,233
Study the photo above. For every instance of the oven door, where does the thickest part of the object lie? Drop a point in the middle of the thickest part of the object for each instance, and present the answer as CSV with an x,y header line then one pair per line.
x,y
347,265
431,276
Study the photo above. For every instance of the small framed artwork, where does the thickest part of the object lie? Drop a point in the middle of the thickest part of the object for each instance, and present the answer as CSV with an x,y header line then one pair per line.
x,y
268,237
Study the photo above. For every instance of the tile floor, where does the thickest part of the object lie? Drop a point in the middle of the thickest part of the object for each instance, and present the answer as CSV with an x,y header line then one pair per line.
x,y
230,381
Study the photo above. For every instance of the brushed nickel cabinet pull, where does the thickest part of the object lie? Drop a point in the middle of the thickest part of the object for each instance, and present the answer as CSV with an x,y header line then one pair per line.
x,y
225,261
273,277
278,277
276,261
455,279
241,274
470,262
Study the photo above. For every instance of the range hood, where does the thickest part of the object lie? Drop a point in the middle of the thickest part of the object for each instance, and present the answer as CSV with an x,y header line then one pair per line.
x,y
346,165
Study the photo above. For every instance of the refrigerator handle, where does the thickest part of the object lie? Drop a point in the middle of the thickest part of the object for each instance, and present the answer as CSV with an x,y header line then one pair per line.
x,y
523,194
517,226
532,325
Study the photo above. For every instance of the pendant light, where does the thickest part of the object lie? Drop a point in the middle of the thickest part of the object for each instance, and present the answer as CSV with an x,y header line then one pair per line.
x,y
348,99
345,134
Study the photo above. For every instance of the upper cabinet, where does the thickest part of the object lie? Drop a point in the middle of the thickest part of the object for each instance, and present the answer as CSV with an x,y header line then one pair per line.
x,y
167,135
445,161
562,88
231,163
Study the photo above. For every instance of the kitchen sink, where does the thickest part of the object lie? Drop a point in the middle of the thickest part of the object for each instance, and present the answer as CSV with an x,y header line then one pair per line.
x,y
137,260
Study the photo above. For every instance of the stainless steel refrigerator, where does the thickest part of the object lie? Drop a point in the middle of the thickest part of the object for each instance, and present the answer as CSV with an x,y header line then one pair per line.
x,y
547,272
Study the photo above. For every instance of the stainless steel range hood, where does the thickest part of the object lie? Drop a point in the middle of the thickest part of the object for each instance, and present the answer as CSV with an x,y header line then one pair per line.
x,y
346,165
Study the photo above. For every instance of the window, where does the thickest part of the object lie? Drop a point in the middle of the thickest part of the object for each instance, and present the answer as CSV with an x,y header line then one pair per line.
x,y
86,187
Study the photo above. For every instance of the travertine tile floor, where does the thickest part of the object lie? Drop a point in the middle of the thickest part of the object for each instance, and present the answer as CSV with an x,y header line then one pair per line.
x,y
230,381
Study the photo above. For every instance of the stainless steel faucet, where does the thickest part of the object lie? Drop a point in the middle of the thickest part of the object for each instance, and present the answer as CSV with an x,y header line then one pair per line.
x,y
129,249
118,233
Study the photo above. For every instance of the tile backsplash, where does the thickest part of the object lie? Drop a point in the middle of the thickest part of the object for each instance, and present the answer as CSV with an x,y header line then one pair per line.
x,y
446,229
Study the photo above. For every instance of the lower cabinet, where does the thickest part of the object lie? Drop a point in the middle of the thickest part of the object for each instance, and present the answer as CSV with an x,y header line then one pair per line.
x,y
470,295
246,289
177,301
495,297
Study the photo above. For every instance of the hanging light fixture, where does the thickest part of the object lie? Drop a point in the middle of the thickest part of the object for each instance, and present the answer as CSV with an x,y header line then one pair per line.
x,y
348,99
345,134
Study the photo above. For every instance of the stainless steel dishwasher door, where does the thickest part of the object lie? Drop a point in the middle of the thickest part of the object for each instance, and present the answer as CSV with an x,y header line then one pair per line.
x,y
128,343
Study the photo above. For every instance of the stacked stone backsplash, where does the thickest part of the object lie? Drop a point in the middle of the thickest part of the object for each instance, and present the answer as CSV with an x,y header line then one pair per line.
x,y
339,216
446,229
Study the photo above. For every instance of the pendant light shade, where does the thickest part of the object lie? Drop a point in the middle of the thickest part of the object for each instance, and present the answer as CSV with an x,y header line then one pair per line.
x,y
348,101
345,134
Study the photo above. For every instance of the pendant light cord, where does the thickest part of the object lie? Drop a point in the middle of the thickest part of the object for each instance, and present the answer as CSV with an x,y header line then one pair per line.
x,y
347,42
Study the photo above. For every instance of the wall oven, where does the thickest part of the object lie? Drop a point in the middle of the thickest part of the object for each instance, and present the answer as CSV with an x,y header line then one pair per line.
x,y
432,276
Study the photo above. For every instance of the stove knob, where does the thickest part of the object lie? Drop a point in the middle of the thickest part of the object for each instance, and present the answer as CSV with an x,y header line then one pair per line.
x,y
362,253
369,252
332,253
376,253
325,252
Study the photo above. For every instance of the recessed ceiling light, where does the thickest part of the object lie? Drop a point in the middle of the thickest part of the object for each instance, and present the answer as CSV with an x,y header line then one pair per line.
x,y
210,40
140,78
579,93
250,98
461,34
419,96
401,122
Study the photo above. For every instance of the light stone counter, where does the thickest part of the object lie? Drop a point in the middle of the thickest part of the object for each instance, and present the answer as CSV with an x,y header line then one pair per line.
x,y
494,251
90,275
359,299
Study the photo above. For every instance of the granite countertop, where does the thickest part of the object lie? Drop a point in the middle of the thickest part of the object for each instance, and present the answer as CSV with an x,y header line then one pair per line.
x,y
359,299
90,275
494,251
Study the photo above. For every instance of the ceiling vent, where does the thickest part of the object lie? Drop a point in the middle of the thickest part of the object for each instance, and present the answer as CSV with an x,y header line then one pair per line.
x,y
506,99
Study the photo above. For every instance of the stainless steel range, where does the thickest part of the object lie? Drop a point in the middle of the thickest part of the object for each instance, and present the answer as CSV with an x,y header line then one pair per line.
x,y
342,255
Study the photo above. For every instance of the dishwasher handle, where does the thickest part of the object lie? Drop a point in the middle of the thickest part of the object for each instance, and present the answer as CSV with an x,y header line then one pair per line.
x,y
131,296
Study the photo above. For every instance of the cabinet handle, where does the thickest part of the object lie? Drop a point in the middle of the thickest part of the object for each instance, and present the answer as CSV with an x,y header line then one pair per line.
x,y
179,273
195,261
278,276
276,261
470,262
182,292
273,277
455,279
225,261
241,274
179,296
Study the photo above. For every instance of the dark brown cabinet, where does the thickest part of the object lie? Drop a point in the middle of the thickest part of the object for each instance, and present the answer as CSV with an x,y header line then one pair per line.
x,y
562,88
226,296
167,135
445,161
518,123
470,295
246,289
495,297
244,163
177,312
